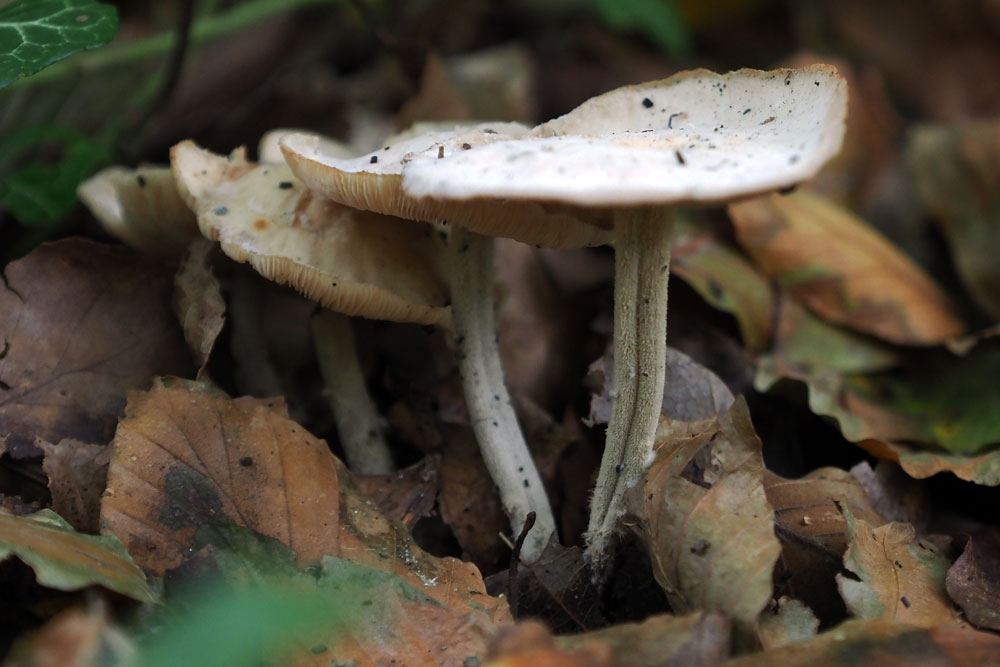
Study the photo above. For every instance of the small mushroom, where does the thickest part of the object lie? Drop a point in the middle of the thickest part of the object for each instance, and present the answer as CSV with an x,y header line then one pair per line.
x,y
637,152
376,185
352,262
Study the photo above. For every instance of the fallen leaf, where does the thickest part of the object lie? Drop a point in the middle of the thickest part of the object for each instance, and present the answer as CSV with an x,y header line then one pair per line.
x,y
880,644
956,169
789,622
894,495
973,581
83,324
702,512
76,637
843,269
198,301
189,456
406,495
813,534
896,576
67,560
77,472
696,639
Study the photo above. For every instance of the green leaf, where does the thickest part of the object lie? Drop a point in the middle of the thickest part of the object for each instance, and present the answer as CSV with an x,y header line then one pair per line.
x,y
660,20
67,560
40,194
36,33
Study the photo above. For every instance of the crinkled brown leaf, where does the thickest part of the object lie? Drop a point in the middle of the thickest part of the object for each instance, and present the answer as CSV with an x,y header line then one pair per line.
x,y
189,456
702,511
789,621
813,533
895,576
696,639
67,560
83,323
956,169
882,644
198,301
77,472
406,495
973,582
843,269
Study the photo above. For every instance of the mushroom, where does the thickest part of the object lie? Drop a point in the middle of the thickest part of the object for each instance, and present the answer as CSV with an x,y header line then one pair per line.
x,y
695,138
352,262
373,182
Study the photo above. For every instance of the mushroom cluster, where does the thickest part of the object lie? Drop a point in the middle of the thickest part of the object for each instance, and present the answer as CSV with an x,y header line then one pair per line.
x,y
610,171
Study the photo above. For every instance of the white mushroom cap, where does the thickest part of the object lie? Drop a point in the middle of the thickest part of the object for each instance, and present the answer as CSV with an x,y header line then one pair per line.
x,y
373,182
354,262
141,207
696,137
269,148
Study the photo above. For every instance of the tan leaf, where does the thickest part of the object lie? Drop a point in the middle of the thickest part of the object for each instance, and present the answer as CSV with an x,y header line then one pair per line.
x,y
83,323
77,472
899,578
706,521
813,533
198,301
843,269
973,582
882,644
188,456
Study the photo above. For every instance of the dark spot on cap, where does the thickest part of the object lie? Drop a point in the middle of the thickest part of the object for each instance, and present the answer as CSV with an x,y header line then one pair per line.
x,y
440,151
815,83
220,210
646,102
260,224
141,180
246,461
906,601
793,159
680,158
286,185
466,147
526,485
386,148
769,119
374,159
746,111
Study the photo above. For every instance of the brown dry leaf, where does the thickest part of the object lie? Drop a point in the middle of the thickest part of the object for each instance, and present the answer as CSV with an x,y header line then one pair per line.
x,y
189,456
973,582
956,169
198,301
882,644
77,472
896,576
695,639
83,323
789,621
843,269
702,512
406,495
813,533
894,495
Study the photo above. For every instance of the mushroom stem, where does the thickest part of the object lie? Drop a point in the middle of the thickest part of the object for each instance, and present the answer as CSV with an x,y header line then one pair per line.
x,y
359,425
494,422
642,268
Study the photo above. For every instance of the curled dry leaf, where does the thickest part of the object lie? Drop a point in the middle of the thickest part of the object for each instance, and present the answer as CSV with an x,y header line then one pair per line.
x,y
973,582
198,301
702,512
843,269
77,472
882,643
956,169
188,456
895,576
83,323
813,534
695,639
67,560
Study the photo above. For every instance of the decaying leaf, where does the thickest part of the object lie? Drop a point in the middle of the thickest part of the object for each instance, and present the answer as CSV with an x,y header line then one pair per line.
x,y
973,582
77,472
198,301
882,643
895,576
843,269
83,323
406,495
702,512
67,560
957,173
813,534
789,622
696,639
187,457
